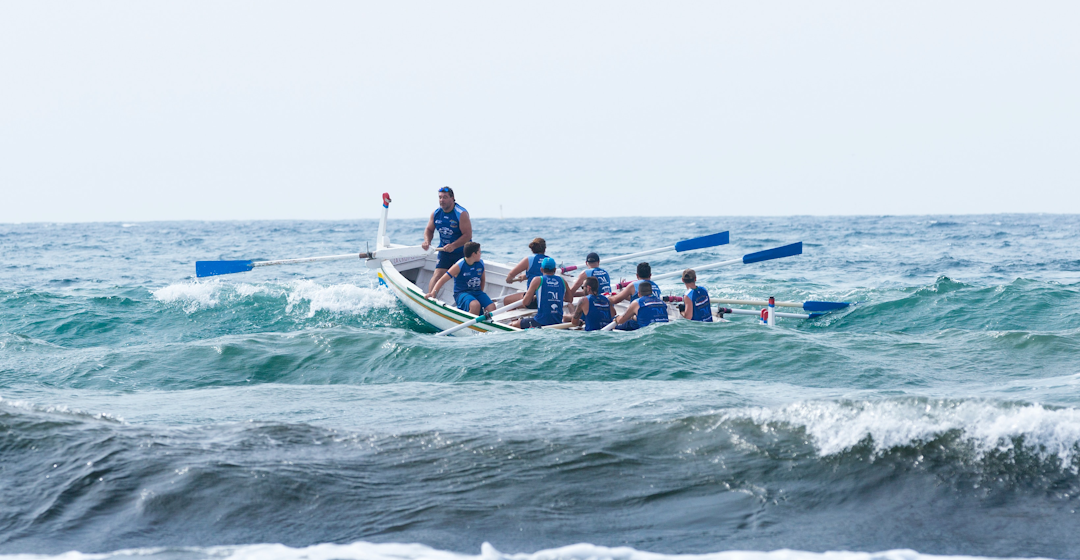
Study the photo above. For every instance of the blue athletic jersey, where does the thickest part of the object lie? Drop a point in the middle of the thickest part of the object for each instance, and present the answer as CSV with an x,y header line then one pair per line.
x,y
534,268
651,309
448,225
550,300
599,313
468,279
602,277
699,298
655,289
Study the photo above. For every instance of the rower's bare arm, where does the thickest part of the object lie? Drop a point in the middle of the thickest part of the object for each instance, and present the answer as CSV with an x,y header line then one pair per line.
x,y
483,280
568,295
577,285
518,269
530,293
625,293
630,312
688,307
578,312
429,232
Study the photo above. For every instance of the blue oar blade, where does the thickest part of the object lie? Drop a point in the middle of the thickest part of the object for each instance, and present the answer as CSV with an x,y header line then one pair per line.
x,y
215,268
703,242
769,254
824,305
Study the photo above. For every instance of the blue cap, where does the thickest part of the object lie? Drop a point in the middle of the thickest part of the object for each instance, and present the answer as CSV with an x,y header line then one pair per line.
x,y
547,264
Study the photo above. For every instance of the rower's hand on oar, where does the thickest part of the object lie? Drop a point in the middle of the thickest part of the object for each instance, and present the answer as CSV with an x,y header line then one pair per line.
x,y
431,295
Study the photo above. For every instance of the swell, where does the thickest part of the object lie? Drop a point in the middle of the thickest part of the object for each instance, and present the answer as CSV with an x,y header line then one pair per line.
x,y
732,478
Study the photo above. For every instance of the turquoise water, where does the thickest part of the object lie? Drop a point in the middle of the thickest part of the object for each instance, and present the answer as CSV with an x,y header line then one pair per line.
x,y
143,409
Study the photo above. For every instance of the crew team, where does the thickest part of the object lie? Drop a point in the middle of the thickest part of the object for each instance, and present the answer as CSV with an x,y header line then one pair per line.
x,y
461,260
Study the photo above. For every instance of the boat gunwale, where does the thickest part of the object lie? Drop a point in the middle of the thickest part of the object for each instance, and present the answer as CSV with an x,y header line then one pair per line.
x,y
412,291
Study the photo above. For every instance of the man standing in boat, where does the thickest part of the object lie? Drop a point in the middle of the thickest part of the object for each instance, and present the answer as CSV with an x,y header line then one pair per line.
x,y
452,222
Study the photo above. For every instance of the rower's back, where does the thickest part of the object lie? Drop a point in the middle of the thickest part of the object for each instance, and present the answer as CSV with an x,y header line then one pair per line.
x,y
651,309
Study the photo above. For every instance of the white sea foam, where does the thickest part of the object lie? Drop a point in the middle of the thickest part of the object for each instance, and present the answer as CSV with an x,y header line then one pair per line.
x,y
838,426
192,296
338,298
393,551
59,409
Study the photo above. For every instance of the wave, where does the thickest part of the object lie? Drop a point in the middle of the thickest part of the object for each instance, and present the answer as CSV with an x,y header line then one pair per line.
x,y
401,551
77,482
984,427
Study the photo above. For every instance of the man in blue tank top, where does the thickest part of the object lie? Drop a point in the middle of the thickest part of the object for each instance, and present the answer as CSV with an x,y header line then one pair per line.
x,y
696,305
644,311
595,308
644,272
469,281
593,270
452,222
550,292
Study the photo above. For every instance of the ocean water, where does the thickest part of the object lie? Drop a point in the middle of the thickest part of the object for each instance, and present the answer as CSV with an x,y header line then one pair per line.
x,y
301,412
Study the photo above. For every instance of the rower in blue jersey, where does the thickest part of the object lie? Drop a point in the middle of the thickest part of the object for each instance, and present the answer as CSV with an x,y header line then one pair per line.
x,y
469,281
594,308
526,270
593,270
550,292
696,305
630,292
452,222
644,311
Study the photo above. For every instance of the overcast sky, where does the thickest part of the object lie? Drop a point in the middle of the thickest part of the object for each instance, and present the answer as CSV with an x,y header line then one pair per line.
x,y
130,111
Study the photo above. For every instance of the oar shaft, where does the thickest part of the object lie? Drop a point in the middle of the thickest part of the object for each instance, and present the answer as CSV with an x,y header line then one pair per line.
x,y
472,322
781,314
667,275
306,260
815,306
754,302
637,255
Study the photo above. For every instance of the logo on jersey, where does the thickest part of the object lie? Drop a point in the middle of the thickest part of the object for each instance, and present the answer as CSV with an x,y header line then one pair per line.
x,y
445,232
474,282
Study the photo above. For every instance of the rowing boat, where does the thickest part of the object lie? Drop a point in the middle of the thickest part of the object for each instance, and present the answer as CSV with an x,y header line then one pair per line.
x,y
403,269
404,276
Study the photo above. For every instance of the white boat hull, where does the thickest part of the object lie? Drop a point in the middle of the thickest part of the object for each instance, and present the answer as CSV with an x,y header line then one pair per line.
x,y
405,279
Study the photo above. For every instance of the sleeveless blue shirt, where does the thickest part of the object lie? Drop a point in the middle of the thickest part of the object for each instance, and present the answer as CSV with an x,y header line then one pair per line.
x,y
534,268
468,280
549,302
602,277
655,289
651,309
599,313
449,225
699,298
